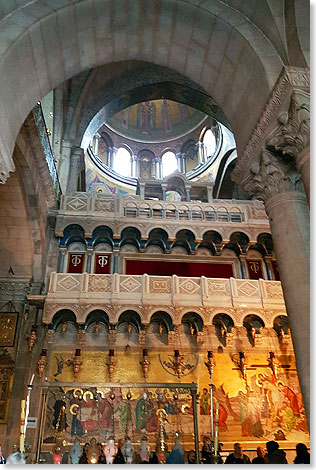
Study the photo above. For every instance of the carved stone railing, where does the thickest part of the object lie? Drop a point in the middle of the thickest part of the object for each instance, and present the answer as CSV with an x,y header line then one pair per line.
x,y
219,210
83,293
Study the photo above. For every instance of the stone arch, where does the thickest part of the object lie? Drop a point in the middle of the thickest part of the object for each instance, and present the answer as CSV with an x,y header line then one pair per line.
x,y
97,315
253,320
223,311
131,316
194,319
160,316
114,317
63,315
186,23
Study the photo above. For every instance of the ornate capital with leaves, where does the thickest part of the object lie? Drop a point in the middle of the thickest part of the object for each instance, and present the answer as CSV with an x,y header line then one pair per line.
x,y
271,176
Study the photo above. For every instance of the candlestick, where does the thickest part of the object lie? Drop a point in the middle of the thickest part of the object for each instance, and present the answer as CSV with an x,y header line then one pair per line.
x,y
216,429
22,423
176,353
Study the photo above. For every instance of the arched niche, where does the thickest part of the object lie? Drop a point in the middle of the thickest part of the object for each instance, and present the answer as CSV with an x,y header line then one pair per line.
x,y
193,323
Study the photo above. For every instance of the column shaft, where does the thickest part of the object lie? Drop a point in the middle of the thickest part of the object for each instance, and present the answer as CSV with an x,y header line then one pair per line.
x,y
289,219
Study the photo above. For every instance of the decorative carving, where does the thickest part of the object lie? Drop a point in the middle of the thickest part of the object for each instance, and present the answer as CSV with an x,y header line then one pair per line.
x,y
247,288
289,77
32,338
97,283
145,363
67,283
171,338
292,134
50,336
274,289
41,363
218,287
189,286
200,338
142,337
159,285
257,213
81,337
104,205
272,176
129,284
112,337
75,203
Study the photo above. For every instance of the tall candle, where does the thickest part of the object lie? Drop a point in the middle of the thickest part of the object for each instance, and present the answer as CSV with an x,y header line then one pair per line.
x,y
22,422
216,428
145,352
209,354
111,352
176,353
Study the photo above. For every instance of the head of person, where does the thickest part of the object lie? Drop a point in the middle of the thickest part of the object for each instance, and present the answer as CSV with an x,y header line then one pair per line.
x,y
191,456
206,440
120,443
238,449
86,446
301,449
272,446
260,452
15,458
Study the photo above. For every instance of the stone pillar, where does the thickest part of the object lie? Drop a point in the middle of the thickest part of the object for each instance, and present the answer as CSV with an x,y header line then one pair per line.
x,y
61,259
74,170
243,266
158,175
164,189
89,260
134,166
187,193
153,169
276,182
200,152
116,254
63,164
96,144
142,191
179,162
209,189
267,262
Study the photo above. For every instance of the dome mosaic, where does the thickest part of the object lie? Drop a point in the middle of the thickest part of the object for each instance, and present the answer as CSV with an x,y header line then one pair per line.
x,y
156,121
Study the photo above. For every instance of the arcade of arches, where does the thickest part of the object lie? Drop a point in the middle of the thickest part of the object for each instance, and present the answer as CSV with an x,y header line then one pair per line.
x,y
154,161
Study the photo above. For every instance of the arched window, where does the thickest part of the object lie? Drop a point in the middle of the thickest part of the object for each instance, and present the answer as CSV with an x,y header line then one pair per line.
x,y
169,163
209,142
122,162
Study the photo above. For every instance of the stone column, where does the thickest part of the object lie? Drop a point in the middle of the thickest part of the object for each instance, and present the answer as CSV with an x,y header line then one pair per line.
x,y
187,193
291,137
209,188
153,169
158,175
89,260
96,144
267,261
74,170
142,191
164,189
276,182
61,259
243,266
134,166
179,162
63,164
200,152
116,254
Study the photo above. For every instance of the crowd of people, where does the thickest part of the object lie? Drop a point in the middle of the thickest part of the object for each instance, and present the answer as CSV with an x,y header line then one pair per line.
x,y
271,455
124,453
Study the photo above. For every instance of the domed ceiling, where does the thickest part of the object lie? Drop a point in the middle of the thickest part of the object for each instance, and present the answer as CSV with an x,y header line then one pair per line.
x,y
156,121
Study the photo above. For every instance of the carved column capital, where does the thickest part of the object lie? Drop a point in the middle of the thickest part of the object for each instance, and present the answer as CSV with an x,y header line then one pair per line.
x,y
292,134
272,176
